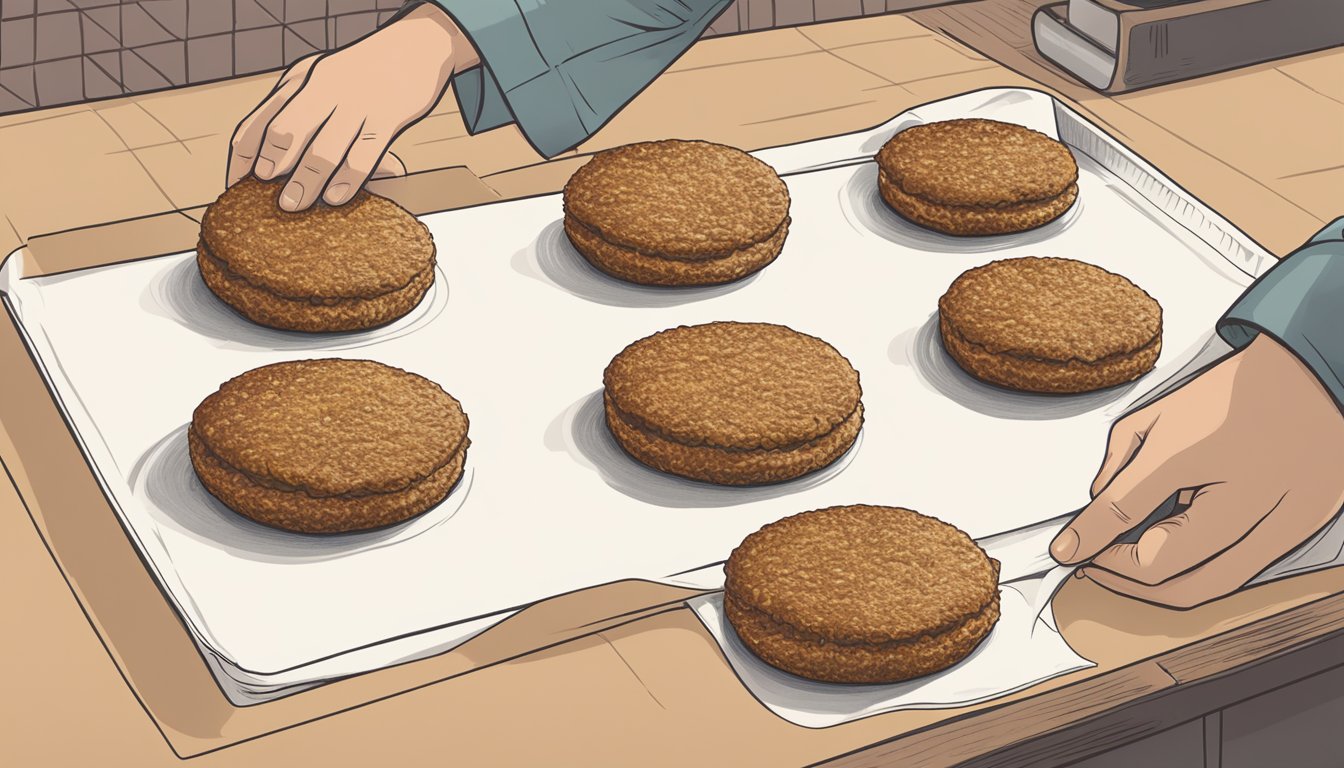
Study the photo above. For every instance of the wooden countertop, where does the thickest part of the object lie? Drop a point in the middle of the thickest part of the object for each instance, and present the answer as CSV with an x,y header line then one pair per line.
x,y
100,671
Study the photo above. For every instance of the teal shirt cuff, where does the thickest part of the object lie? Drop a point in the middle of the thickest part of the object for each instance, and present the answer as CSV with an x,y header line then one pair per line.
x,y
1300,303
562,70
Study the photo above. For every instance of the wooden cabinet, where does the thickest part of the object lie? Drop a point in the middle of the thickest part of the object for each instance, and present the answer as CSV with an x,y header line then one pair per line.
x,y
1300,725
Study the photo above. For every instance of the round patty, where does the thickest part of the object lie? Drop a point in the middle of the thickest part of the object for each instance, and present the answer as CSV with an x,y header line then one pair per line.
x,y
861,594
733,403
676,213
329,445
329,268
1050,325
976,176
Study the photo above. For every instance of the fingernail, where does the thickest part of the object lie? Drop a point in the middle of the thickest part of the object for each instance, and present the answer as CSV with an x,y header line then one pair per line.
x,y
1149,545
289,198
1065,545
265,168
336,193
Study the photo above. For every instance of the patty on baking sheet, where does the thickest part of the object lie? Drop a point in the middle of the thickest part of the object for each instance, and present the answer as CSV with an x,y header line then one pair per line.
x,y
976,177
328,268
1050,325
733,403
325,446
861,594
676,213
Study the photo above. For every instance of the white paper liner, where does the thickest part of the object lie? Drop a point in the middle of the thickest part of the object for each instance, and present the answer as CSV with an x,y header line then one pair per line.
x,y
519,328
1024,648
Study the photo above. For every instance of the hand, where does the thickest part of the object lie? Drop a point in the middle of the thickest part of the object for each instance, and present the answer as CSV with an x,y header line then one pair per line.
x,y
1255,444
331,117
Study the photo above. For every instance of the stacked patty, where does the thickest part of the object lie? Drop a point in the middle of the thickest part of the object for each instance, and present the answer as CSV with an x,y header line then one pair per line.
x,y
326,446
976,177
329,268
676,213
861,594
733,403
853,594
1050,325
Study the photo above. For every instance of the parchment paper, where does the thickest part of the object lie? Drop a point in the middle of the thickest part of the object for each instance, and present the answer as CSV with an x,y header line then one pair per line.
x,y
519,328
1024,648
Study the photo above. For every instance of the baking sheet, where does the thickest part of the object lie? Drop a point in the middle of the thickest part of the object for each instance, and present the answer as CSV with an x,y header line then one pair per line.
x,y
519,328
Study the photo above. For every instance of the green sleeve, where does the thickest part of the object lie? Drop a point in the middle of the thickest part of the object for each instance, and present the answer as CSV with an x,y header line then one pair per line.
x,y
561,70
1300,303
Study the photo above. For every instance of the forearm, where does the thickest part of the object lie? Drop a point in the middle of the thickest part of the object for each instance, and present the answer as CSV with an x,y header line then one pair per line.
x,y
562,70
1300,303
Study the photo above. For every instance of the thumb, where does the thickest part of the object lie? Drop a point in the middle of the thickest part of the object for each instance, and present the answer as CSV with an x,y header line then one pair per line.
x,y
1149,480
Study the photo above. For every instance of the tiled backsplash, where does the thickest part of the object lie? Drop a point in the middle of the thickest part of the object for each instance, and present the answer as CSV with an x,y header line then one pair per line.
x,y
61,51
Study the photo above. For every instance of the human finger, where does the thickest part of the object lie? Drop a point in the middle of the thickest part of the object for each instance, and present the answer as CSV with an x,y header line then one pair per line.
x,y
246,140
247,136
289,134
1218,516
317,164
359,163
1276,535
1145,482
1123,441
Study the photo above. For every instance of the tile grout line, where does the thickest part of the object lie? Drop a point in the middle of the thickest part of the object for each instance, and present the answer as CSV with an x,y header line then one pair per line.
x,y
115,80
821,111
162,125
145,61
83,79
17,96
1300,174
37,97
883,78
162,144
186,59
158,24
1279,69
138,160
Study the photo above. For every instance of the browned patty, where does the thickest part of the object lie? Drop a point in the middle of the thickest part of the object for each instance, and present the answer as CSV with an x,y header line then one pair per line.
x,y
733,403
976,176
329,268
861,594
1050,325
329,445
676,212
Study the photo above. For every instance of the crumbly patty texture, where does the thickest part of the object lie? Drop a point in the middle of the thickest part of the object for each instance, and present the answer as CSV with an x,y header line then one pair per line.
x,y
295,510
977,162
783,647
673,199
332,427
739,386
972,220
1050,309
325,316
636,267
1052,377
862,574
733,466
364,249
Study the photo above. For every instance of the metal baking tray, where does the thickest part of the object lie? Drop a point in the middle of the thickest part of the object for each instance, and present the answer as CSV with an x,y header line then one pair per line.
x,y
519,328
